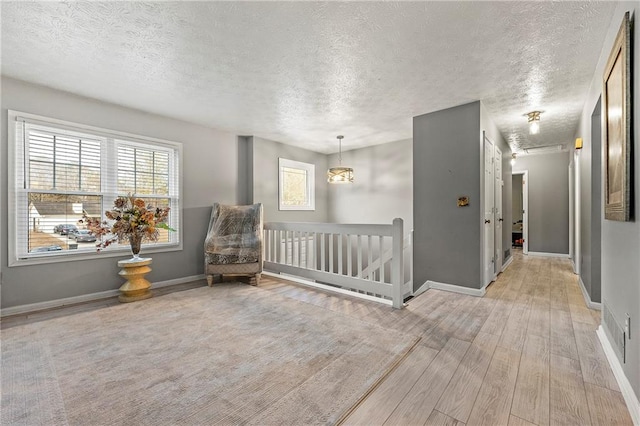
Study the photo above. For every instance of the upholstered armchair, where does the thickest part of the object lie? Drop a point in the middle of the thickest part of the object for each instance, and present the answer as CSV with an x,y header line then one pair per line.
x,y
234,242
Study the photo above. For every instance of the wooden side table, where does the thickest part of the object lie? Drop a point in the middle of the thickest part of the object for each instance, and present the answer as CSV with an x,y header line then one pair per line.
x,y
136,287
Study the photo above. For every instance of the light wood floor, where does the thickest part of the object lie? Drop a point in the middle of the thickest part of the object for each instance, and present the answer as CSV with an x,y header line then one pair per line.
x,y
526,353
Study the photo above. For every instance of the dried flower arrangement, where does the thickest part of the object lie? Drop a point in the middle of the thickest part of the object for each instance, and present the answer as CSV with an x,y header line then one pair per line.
x,y
133,220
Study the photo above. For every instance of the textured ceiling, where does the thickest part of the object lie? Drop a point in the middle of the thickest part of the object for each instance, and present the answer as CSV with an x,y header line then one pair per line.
x,y
303,72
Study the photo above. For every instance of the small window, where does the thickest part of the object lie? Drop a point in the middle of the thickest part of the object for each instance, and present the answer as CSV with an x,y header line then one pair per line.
x,y
297,185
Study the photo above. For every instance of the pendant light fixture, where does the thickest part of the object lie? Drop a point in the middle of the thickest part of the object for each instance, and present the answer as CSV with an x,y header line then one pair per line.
x,y
534,122
340,174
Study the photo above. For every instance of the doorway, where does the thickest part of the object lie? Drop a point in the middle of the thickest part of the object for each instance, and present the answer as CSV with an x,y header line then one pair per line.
x,y
499,217
489,262
520,211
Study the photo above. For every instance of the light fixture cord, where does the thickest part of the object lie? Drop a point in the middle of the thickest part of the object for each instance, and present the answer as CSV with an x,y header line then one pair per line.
x,y
340,151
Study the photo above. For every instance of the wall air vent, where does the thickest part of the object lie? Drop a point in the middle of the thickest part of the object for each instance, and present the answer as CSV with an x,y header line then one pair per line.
x,y
615,330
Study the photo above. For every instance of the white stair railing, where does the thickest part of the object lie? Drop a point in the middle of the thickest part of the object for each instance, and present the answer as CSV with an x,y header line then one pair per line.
x,y
376,267
365,259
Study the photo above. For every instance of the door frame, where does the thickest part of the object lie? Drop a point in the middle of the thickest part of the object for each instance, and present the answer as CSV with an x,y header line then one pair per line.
x,y
571,216
525,208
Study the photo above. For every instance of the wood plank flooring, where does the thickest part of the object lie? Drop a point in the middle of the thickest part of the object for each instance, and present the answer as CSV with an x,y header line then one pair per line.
x,y
533,358
524,354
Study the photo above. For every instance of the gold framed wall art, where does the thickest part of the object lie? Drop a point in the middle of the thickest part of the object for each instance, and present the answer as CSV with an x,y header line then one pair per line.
x,y
616,107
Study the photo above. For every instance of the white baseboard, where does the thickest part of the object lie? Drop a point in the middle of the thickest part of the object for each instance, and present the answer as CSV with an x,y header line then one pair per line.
x,y
543,254
74,300
587,299
633,404
177,281
507,263
311,283
424,287
478,292
57,303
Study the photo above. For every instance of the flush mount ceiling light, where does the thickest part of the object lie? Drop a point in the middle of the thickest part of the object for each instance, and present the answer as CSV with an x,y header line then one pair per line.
x,y
534,122
340,174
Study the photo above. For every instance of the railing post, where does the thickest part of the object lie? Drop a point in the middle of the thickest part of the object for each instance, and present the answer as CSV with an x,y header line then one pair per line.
x,y
397,263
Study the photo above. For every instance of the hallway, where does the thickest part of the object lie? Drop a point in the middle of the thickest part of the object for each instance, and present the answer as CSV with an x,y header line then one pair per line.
x,y
525,353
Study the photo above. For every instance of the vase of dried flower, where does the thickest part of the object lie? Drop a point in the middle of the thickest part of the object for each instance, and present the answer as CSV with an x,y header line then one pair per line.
x,y
135,240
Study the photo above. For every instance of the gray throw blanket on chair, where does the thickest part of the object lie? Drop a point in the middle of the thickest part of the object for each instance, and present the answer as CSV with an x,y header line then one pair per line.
x,y
234,235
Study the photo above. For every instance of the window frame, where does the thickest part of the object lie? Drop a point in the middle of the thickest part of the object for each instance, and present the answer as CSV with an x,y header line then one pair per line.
x,y
310,170
117,137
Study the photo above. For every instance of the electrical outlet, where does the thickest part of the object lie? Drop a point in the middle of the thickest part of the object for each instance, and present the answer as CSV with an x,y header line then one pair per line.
x,y
627,325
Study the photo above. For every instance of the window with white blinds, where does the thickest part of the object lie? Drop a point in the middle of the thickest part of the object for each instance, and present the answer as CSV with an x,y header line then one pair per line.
x,y
61,170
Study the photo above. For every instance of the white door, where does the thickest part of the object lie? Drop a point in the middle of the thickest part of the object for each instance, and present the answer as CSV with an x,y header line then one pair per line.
x,y
577,252
489,222
525,212
572,252
498,209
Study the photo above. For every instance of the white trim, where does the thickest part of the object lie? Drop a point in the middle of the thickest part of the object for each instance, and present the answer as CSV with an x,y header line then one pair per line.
x,y
633,404
424,287
332,289
484,236
89,254
176,281
57,303
587,299
525,215
577,249
572,250
525,207
113,138
544,254
74,300
507,264
478,292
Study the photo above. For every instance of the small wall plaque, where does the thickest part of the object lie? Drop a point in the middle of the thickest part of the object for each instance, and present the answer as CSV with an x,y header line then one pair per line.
x,y
463,201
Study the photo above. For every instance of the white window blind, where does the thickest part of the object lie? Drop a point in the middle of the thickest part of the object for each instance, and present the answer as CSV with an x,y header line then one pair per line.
x,y
62,169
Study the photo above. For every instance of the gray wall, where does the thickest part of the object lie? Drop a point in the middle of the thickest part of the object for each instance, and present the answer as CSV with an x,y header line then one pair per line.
x,y
382,188
217,167
590,158
548,201
210,162
446,165
621,240
264,154
244,188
